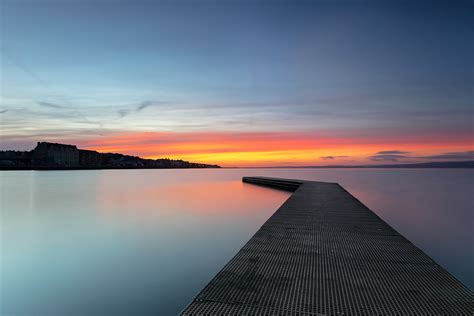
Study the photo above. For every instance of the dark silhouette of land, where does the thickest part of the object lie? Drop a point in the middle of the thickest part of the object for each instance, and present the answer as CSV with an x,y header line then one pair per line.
x,y
54,156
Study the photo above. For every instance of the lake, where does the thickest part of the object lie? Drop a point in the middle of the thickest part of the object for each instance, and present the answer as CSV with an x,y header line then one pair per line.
x,y
145,242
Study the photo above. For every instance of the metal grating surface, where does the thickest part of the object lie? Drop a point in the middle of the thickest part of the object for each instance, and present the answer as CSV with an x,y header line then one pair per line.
x,y
324,252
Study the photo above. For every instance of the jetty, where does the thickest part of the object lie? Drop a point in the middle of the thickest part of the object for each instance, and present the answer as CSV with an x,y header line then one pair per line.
x,y
324,252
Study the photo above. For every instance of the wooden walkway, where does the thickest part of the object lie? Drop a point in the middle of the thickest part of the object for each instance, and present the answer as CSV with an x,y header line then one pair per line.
x,y
324,252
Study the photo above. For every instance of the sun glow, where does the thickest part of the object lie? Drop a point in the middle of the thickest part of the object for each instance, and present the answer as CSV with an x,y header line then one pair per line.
x,y
273,149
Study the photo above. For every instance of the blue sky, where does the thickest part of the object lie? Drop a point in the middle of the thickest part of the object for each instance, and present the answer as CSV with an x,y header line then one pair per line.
x,y
91,68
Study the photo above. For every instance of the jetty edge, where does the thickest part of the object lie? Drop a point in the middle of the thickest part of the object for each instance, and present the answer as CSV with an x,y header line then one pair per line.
x,y
324,252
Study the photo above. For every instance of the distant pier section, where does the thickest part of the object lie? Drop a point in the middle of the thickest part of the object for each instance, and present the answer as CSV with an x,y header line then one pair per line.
x,y
324,252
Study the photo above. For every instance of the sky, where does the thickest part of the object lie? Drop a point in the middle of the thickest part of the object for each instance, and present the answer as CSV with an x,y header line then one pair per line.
x,y
241,83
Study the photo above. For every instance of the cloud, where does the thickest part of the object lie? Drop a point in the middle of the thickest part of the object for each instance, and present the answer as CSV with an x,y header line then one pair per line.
x,y
123,113
138,108
3,111
392,152
332,157
388,157
63,112
50,105
15,61
453,155
143,105
398,155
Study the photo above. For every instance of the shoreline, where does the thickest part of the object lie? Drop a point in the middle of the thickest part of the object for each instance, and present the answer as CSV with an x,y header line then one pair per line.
x,y
274,168
94,168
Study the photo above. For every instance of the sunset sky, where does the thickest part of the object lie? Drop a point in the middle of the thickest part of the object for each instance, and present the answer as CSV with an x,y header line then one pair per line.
x,y
241,83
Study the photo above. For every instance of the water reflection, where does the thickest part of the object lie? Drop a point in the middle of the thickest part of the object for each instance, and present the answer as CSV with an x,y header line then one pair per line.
x,y
139,242
111,243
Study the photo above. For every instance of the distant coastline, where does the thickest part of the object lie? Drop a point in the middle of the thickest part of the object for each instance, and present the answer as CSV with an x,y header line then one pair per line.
x,y
56,156
422,165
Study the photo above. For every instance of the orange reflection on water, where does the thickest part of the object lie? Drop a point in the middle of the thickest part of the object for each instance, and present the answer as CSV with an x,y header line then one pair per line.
x,y
226,198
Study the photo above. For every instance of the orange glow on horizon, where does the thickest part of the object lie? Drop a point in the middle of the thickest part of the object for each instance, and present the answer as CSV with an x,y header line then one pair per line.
x,y
245,149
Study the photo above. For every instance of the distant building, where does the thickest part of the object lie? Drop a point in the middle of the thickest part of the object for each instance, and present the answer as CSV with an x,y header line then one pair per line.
x,y
57,154
51,156
15,158
89,158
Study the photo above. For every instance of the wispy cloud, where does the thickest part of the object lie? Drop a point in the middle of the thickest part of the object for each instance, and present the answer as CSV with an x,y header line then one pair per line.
x,y
3,111
64,112
139,107
20,65
453,155
399,155
50,105
332,157
143,105
123,113
392,152
390,155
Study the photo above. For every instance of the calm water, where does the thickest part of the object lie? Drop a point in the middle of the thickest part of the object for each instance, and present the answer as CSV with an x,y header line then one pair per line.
x,y
142,242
